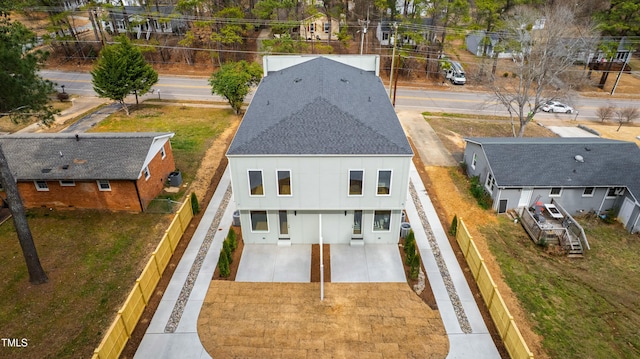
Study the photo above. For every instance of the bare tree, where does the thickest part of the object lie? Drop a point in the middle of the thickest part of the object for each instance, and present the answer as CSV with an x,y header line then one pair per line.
x,y
626,115
604,113
545,44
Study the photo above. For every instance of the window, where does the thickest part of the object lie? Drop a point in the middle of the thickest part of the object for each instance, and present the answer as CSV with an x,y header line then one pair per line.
x,y
490,184
474,161
555,192
312,27
67,183
146,172
588,192
256,187
355,182
326,27
104,185
385,36
381,220
384,182
615,191
163,153
41,185
284,182
259,222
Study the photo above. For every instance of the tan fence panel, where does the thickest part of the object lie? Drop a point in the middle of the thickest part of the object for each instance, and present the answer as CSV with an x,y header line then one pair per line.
x,y
114,341
149,279
515,343
163,254
474,259
487,286
463,237
185,213
500,314
132,309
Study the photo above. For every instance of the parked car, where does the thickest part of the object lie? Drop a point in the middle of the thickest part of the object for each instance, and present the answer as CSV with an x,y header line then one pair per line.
x,y
555,106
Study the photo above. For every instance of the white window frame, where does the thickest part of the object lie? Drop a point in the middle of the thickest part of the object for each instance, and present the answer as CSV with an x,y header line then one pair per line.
x,y
390,181
326,26
490,183
278,183
147,173
261,180
474,161
312,27
101,182
373,225
617,191
251,220
559,194
67,183
585,194
163,153
349,184
41,186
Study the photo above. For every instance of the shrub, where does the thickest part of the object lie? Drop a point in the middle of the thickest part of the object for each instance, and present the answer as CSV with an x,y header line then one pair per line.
x,y
410,251
63,96
223,265
195,207
226,248
478,192
505,75
414,269
453,230
233,241
611,215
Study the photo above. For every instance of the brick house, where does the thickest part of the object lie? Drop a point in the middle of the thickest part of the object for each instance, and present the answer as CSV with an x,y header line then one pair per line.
x,y
114,171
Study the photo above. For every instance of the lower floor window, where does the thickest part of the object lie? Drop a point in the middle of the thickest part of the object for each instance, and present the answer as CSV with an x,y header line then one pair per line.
x,y
259,222
381,220
41,186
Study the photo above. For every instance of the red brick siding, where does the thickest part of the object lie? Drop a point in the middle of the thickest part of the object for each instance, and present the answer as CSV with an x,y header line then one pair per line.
x,y
159,169
85,194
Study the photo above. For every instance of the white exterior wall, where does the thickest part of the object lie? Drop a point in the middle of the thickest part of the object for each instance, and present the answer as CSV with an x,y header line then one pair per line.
x,y
320,185
363,62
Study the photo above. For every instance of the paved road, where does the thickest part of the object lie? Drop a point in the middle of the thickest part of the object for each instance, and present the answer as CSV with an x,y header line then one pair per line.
x,y
449,99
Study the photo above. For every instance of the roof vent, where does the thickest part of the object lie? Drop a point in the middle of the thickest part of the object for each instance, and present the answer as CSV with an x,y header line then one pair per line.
x,y
65,167
46,170
297,79
587,149
579,158
344,80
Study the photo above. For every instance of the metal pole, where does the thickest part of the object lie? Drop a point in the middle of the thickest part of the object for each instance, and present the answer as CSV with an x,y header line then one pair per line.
x,y
393,56
624,64
321,260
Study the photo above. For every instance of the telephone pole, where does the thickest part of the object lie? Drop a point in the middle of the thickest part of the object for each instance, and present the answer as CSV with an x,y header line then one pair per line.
x,y
365,25
393,56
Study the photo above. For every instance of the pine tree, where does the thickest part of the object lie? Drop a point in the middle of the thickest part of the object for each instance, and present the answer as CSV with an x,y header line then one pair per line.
x,y
223,265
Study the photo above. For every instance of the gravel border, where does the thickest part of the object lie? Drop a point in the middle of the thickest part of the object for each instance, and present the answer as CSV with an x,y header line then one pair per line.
x,y
444,272
178,308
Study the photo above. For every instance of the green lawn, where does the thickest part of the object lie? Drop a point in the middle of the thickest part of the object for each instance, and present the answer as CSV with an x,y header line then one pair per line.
x,y
584,308
92,259
195,129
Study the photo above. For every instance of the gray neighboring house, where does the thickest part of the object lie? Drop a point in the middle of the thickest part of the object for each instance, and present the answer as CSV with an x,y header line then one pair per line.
x,y
320,152
582,174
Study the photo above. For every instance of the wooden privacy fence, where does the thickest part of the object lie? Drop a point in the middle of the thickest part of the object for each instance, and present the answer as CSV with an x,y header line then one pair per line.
x,y
506,325
127,318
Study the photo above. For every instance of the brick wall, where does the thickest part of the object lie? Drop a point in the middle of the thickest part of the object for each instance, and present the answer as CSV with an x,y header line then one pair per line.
x,y
159,168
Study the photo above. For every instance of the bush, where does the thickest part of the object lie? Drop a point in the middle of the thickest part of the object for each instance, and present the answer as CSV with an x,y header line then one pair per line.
x,y
195,207
478,192
226,248
63,96
453,230
414,269
223,265
233,241
611,215
410,251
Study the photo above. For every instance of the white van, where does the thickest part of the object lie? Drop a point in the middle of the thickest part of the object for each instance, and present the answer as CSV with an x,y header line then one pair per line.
x,y
455,73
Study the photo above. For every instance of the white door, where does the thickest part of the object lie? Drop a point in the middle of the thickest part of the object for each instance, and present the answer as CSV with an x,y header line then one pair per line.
x,y
625,211
525,197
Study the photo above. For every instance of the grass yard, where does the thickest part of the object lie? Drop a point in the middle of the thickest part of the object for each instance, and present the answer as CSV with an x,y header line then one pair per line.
x,y
195,129
582,308
92,259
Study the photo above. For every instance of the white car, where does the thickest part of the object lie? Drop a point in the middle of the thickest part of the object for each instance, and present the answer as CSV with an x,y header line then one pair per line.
x,y
555,106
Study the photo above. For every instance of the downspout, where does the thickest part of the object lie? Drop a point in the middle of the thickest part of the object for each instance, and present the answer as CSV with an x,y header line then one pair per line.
x,y
135,184
496,204
602,203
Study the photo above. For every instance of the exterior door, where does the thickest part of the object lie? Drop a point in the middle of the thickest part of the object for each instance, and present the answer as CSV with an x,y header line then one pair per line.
x,y
625,211
283,224
525,197
502,207
357,225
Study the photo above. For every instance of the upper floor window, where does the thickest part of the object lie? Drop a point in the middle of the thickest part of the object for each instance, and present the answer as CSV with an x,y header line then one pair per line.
x,y
67,183
588,192
163,153
256,186
41,185
312,27
146,172
474,161
555,192
326,27
384,182
615,191
491,182
284,182
104,185
356,178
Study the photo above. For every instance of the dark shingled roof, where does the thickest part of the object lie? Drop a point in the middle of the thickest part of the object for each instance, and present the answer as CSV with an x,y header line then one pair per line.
x,y
551,162
320,107
108,156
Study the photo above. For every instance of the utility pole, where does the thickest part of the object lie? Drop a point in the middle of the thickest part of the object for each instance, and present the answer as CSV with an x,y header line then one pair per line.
x,y
393,56
624,64
364,24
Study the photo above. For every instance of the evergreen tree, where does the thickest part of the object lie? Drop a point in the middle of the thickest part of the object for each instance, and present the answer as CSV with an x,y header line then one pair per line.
x,y
122,70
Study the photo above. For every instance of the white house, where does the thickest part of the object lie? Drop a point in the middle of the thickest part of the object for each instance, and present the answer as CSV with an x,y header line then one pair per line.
x,y
320,150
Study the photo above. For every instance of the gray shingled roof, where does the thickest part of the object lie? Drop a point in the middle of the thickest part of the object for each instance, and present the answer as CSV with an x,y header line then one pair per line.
x,y
320,107
551,162
109,156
